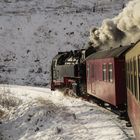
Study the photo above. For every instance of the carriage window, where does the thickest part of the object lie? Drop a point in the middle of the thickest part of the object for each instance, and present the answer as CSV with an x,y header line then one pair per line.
x,y
126,64
88,72
131,76
135,77
110,72
104,72
92,70
127,74
139,75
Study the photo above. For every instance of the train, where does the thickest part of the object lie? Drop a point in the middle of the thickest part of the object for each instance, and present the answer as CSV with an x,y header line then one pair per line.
x,y
111,76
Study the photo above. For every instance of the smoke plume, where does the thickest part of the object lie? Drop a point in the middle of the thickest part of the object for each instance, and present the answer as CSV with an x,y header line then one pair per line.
x,y
121,30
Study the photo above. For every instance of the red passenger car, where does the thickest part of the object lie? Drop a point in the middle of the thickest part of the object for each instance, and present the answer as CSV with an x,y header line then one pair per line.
x,y
106,76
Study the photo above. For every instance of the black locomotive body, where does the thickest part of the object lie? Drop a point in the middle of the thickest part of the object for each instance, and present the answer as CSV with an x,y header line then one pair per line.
x,y
69,70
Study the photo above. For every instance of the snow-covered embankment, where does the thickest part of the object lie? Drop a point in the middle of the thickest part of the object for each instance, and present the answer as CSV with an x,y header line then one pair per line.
x,y
41,114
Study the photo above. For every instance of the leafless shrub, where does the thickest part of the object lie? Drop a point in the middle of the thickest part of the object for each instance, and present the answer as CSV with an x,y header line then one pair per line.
x,y
1,113
42,101
49,106
7,100
45,102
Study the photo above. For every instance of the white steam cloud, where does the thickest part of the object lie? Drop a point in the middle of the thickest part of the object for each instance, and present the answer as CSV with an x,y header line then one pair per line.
x,y
121,30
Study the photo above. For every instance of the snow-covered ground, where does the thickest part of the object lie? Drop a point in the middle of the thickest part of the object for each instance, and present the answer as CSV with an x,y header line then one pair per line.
x,y
31,34
33,31
40,114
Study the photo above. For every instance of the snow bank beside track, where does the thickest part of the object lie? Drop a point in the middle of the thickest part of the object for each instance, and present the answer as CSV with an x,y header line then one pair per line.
x,y
47,115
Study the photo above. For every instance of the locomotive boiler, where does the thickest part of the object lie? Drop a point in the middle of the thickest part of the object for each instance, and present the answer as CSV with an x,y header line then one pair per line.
x,y
68,69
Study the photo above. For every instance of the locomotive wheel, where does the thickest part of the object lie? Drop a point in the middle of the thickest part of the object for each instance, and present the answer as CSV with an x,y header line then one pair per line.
x,y
66,92
69,92
101,103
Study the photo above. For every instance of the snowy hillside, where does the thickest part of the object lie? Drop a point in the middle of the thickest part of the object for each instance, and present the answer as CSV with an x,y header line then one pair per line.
x,y
40,114
33,31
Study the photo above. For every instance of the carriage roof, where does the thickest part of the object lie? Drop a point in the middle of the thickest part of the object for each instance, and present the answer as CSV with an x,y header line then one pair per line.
x,y
115,52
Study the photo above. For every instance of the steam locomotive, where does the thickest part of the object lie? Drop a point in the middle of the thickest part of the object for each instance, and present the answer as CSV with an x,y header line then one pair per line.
x,y
68,69
112,76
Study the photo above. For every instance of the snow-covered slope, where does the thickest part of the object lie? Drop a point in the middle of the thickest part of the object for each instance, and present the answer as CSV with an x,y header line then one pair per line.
x,y
33,31
45,115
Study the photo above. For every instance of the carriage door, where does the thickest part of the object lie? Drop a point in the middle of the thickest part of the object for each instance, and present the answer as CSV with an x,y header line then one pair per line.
x,y
93,78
